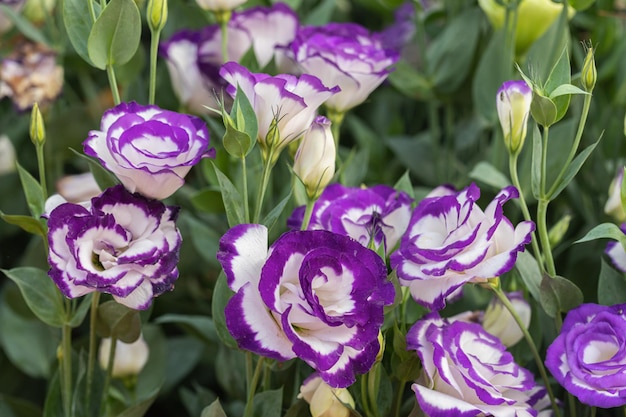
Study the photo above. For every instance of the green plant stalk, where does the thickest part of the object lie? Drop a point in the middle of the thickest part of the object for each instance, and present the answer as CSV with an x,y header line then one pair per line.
x,y
66,363
154,49
91,361
526,213
92,11
109,374
365,402
542,208
533,348
574,149
373,384
113,83
336,120
265,179
510,25
224,30
397,400
308,212
244,180
249,410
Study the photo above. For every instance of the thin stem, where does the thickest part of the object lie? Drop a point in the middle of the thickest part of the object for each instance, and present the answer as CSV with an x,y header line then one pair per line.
x,y
42,170
574,149
92,11
154,49
544,159
244,180
373,382
92,346
397,401
542,229
252,388
365,403
533,348
308,212
572,405
113,83
224,30
66,362
109,373
524,207
267,169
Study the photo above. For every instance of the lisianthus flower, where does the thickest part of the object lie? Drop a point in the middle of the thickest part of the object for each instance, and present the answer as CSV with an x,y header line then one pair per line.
x,y
377,214
343,54
287,102
121,244
194,58
129,358
513,105
613,206
588,357
314,163
467,372
315,295
616,252
324,400
149,149
220,5
451,241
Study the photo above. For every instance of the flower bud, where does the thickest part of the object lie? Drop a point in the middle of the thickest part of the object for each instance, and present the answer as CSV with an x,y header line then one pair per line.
x,y
498,321
129,359
513,105
157,14
219,5
314,162
7,155
556,232
37,129
589,74
325,401
613,206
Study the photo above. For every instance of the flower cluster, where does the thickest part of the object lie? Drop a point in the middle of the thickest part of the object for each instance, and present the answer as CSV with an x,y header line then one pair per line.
x,y
315,295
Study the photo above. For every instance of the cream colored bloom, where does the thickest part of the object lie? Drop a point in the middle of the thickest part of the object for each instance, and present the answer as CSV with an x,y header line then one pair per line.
x,y
130,358
325,401
314,162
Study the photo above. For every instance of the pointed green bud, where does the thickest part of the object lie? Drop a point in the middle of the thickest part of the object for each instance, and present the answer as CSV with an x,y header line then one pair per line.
x,y
556,233
156,14
589,73
37,129
513,105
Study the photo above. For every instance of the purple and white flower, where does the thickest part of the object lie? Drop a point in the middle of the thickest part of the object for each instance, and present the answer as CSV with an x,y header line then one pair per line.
x,y
123,244
194,58
347,55
315,295
451,241
588,357
324,400
613,206
314,163
513,105
149,149
467,372
616,252
378,215
287,101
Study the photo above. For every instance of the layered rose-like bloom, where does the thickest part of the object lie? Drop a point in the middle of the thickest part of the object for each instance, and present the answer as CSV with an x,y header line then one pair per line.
x,y
288,102
324,400
129,358
314,162
30,75
616,252
149,149
315,295
613,206
378,214
194,58
344,54
513,105
467,372
122,244
588,357
451,241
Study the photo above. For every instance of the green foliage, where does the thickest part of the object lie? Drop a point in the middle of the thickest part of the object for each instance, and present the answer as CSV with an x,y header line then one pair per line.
x,y
118,321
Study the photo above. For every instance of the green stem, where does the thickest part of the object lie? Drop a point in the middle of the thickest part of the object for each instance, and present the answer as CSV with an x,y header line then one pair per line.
x,y
224,30
533,348
373,384
42,170
397,401
265,179
66,373
308,212
92,11
92,346
574,149
572,405
252,387
154,49
109,373
113,83
365,402
544,159
244,180
336,120
524,207
542,230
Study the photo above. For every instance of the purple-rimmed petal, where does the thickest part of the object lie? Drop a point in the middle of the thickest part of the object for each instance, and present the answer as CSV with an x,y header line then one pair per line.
x,y
242,253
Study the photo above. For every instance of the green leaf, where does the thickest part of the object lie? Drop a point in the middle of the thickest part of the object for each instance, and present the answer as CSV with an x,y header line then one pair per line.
x,y
566,89
80,313
611,285
245,117
409,81
141,408
221,295
117,320
32,192
201,327
204,239
404,184
214,410
233,202
22,24
573,169
355,167
236,142
604,231
268,403
208,200
544,53
16,407
272,216
104,178
535,171
490,175
77,20
559,295
544,110
27,223
528,269
40,294
115,36
321,14
581,5
560,73
491,72
53,406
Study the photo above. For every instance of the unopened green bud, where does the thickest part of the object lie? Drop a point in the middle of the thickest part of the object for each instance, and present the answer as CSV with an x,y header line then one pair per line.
x,y
556,233
157,14
37,129
589,74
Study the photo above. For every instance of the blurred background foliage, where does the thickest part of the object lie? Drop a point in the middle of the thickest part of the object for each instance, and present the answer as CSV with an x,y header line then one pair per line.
x,y
434,118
